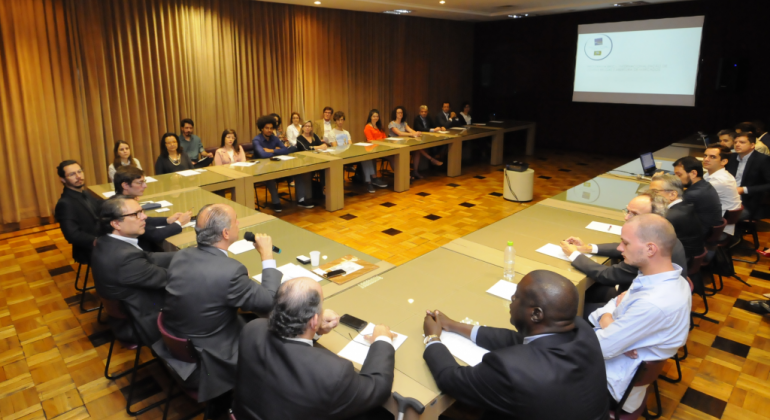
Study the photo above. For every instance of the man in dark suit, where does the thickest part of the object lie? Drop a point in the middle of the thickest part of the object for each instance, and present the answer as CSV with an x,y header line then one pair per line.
x,y
552,368
699,193
423,122
129,180
622,274
447,118
77,211
680,214
124,272
204,292
285,376
752,174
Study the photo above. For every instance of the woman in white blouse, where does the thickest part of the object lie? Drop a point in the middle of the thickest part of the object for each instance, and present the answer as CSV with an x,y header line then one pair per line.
x,y
229,151
465,114
123,157
295,128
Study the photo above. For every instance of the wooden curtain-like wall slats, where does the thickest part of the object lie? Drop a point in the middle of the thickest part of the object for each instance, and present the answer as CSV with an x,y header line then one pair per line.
x,y
76,75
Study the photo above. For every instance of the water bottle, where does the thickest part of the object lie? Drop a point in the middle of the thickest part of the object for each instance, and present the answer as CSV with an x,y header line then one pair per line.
x,y
508,262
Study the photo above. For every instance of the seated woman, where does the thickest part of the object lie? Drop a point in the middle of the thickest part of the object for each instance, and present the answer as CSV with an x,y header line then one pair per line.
x,y
294,129
123,157
399,127
308,140
373,131
339,137
172,158
465,114
229,151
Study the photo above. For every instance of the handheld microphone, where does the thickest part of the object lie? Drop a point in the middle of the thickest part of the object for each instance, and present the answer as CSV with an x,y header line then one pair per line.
x,y
250,237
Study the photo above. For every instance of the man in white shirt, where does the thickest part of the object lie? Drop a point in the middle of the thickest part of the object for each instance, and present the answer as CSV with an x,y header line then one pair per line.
x,y
714,161
651,320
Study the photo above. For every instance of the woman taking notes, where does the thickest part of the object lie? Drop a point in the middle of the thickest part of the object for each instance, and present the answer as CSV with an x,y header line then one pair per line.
x,y
295,128
399,127
123,157
229,151
171,158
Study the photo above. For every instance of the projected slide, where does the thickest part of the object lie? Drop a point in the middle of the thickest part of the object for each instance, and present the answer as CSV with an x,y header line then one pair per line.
x,y
652,62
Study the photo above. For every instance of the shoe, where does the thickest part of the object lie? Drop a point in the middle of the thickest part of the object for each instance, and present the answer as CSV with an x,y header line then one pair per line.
x,y
277,208
761,305
765,253
436,162
370,187
378,182
305,204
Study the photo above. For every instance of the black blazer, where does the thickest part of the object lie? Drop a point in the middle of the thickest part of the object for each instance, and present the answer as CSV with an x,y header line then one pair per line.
x,y
156,231
419,126
705,201
560,376
137,279
688,229
756,176
621,274
285,379
448,123
78,217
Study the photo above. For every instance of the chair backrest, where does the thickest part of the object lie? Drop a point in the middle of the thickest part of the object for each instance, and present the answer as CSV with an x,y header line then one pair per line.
x,y
692,287
716,233
733,216
696,263
181,348
645,374
113,308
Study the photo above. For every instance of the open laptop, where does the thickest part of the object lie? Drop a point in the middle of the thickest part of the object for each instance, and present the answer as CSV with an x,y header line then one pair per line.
x,y
648,165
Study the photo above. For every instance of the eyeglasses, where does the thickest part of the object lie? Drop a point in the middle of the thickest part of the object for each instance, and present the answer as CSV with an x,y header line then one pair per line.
x,y
140,182
135,214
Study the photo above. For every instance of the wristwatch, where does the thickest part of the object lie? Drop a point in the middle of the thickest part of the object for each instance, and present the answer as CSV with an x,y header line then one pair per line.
x,y
430,337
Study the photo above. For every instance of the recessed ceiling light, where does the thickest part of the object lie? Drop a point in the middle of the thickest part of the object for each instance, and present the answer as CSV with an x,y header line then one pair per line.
x,y
522,16
398,12
317,2
442,2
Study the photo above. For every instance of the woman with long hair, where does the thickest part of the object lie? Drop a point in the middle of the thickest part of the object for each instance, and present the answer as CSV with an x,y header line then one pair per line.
x,y
229,151
122,157
172,158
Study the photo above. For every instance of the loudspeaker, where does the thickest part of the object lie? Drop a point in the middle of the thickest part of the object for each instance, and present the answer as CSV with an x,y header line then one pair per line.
x,y
731,74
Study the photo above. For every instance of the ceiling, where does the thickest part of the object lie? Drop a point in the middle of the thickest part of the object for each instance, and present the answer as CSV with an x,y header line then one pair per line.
x,y
472,10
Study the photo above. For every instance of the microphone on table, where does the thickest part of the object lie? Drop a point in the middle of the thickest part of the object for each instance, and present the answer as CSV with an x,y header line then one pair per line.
x,y
250,237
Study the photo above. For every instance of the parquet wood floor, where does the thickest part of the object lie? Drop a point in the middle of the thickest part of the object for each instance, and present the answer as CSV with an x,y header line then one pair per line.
x,y
52,356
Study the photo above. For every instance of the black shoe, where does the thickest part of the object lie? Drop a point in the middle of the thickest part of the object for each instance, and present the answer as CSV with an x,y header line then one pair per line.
x,y
305,204
370,187
277,208
378,182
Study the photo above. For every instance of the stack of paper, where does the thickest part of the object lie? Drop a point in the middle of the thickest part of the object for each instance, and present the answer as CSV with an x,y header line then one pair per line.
x,y
245,164
605,227
292,271
503,289
463,348
363,144
199,170
188,172
555,251
239,247
358,349
284,157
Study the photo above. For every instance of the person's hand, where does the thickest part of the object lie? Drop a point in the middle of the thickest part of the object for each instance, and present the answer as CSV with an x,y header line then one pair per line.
x,y
417,134
567,248
443,128
606,320
329,320
620,298
173,218
446,323
632,354
269,150
184,218
431,325
380,331
277,147
452,115
321,147
211,155
264,245
740,190
581,246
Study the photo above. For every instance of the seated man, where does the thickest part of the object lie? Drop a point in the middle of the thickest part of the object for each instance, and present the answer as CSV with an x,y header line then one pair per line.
x,y
752,175
286,377
267,145
77,211
699,193
750,127
447,118
650,321
204,292
423,122
726,139
552,368
124,272
681,215
617,278
714,160
129,180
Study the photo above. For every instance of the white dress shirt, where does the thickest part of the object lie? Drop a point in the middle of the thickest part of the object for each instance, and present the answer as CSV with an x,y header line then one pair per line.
x,y
466,117
742,167
291,134
727,190
653,319
131,241
675,202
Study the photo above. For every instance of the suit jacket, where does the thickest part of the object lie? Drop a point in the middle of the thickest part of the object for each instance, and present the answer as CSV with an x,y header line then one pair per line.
x,y
560,376
621,274
688,229
137,279
419,126
705,201
443,121
205,289
156,231
78,216
285,379
318,127
756,176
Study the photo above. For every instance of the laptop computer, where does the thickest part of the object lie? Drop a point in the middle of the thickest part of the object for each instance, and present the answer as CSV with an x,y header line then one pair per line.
x,y
649,166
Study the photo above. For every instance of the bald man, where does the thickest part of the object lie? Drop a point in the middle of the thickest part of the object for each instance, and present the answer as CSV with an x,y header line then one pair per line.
x,y
552,368
650,321
286,376
204,292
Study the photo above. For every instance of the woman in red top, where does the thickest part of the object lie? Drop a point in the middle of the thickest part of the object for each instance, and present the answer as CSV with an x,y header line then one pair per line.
x,y
373,129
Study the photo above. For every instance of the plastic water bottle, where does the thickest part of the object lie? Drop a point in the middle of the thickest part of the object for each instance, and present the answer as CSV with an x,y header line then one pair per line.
x,y
508,262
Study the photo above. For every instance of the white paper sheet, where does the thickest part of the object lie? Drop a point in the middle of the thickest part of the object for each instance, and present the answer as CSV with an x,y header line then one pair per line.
x,y
162,210
503,289
164,203
188,172
200,171
394,139
149,179
245,164
555,251
363,144
239,247
358,349
605,227
443,132
291,271
463,348
457,128
108,194
284,157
